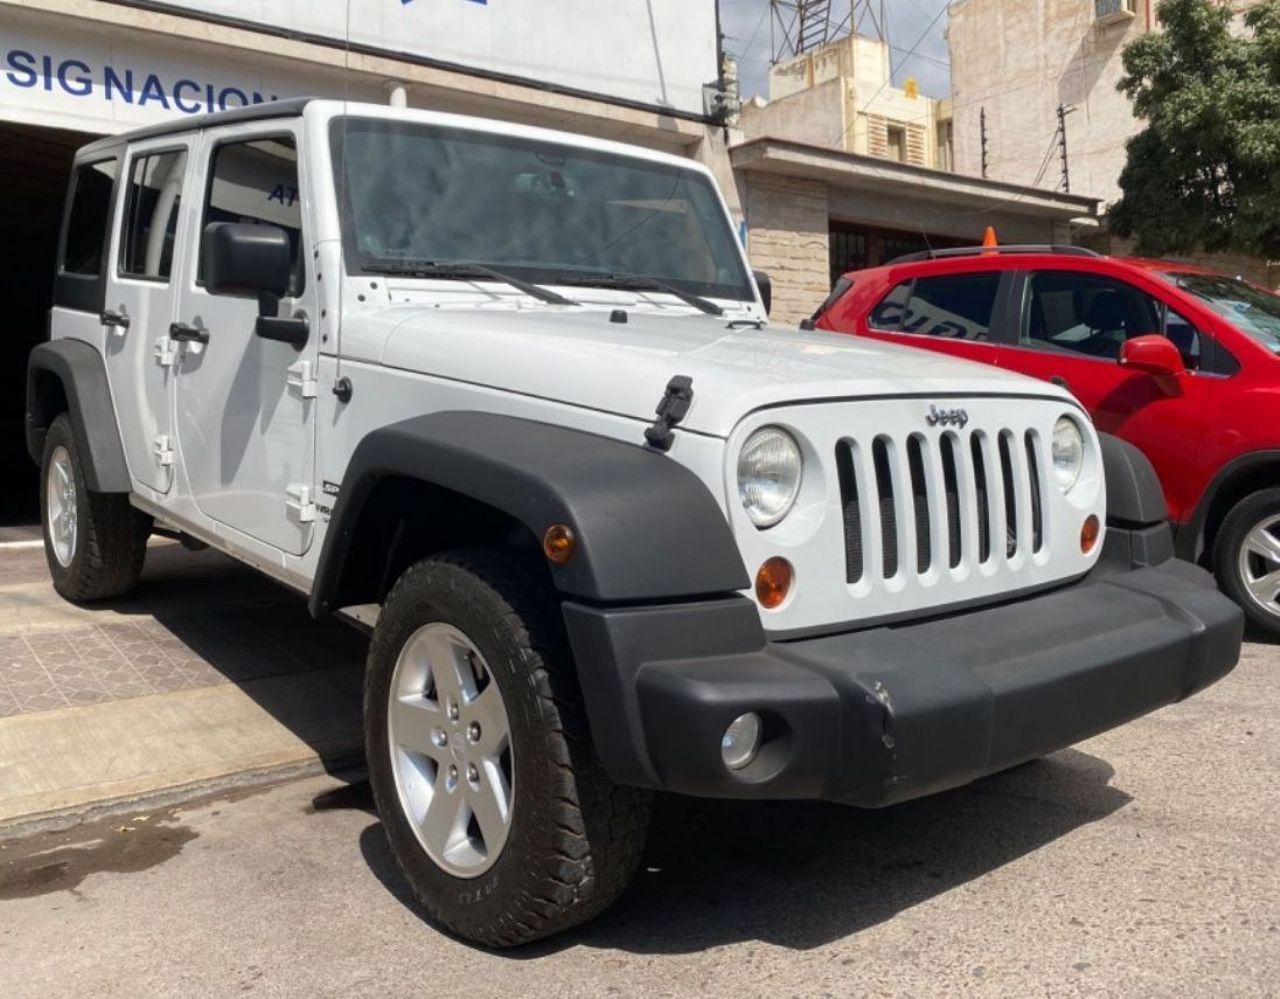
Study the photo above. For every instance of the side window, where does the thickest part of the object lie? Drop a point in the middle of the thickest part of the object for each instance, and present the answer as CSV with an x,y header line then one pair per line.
x,y
958,306
256,182
1085,313
89,218
889,312
151,215
1185,337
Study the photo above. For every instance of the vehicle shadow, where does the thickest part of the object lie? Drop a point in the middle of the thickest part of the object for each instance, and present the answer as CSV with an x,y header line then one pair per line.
x,y
199,619
800,875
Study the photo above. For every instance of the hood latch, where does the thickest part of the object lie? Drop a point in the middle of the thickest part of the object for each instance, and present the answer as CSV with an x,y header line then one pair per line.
x,y
671,410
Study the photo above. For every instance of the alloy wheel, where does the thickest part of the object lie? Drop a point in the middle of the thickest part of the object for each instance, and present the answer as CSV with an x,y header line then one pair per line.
x,y
450,745
60,506
1259,564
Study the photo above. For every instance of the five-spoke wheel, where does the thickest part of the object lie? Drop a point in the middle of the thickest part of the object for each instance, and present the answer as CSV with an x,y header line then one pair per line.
x,y
61,508
496,809
94,542
450,743
1246,557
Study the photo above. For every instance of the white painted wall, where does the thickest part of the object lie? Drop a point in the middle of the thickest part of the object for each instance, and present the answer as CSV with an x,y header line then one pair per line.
x,y
657,52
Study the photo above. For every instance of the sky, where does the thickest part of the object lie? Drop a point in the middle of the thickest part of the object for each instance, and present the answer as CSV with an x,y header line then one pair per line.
x,y
917,24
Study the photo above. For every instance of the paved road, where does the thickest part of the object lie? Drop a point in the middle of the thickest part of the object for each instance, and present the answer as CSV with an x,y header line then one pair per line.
x,y
1142,863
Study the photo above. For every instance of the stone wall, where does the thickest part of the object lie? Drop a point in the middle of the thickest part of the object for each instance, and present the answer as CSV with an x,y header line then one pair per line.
x,y
789,238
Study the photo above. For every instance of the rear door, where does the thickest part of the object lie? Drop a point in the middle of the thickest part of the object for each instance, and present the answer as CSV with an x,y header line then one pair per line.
x,y
141,304
1073,325
964,315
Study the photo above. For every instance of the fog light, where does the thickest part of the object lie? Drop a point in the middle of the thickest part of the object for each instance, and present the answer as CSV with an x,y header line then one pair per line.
x,y
773,583
741,741
1089,534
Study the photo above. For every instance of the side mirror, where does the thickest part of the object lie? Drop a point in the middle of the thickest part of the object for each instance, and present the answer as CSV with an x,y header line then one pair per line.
x,y
1152,353
247,260
765,285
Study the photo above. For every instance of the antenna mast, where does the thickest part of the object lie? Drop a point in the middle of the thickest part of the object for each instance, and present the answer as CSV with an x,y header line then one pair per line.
x,y
800,26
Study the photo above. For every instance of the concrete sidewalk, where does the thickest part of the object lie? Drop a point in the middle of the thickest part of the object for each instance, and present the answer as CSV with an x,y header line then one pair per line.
x,y
209,676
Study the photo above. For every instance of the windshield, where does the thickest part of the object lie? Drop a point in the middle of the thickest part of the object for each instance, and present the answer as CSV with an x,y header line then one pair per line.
x,y
1250,310
547,212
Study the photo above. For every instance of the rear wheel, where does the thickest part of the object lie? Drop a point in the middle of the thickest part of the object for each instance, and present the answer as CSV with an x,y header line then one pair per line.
x,y
95,543
1247,558
494,804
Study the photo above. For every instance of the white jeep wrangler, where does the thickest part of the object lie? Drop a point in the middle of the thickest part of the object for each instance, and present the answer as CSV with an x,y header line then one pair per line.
x,y
513,392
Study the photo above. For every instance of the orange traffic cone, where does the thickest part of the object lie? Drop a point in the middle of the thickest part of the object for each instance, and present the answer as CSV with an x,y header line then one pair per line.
x,y
989,240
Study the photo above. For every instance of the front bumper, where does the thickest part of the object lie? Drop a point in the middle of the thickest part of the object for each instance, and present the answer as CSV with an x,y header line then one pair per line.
x,y
887,714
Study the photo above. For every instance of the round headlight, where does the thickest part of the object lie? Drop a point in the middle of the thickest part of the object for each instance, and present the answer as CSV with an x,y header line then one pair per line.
x,y
1068,452
769,469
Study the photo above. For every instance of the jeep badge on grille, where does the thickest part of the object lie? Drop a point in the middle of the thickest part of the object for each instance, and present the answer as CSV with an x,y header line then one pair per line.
x,y
947,417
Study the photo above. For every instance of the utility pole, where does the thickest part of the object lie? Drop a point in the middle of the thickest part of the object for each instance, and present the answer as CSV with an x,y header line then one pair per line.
x,y
1063,111
986,155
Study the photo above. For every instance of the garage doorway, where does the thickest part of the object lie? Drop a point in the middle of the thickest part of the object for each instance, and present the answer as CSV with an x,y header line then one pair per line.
x,y
34,166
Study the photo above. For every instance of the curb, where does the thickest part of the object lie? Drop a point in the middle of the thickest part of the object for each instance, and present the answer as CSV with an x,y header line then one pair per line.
x,y
60,819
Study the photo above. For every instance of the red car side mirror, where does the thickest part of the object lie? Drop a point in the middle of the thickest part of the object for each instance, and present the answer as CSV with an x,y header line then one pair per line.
x,y
1152,353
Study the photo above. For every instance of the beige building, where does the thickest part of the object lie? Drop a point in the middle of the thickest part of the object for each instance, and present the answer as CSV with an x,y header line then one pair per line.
x,y
841,170
1016,63
842,96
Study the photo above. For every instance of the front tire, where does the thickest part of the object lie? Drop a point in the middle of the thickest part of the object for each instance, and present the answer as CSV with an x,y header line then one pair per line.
x,y
1246,558
95,543
495,806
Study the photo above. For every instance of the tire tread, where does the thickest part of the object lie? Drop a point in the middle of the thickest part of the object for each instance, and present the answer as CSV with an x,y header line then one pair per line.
x,y
601,827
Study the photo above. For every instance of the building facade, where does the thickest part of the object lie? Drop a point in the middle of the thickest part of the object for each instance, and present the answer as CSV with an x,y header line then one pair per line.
x,y
1015,65
841,170
842,96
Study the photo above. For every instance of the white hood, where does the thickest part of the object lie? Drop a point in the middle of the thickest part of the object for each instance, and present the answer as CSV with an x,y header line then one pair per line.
x,y
583,358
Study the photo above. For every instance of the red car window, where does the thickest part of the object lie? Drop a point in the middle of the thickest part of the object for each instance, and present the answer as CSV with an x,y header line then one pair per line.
x,y
1085,313
956,306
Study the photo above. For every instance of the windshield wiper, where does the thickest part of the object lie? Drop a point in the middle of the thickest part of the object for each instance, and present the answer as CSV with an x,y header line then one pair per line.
x,y
465,268
644,282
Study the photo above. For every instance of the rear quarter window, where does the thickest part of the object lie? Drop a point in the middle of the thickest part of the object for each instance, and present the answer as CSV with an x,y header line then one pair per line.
x,y
86,236
956,306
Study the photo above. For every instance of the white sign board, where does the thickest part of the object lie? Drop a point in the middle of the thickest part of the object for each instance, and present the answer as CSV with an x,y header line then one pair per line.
x,y
109,81
655,52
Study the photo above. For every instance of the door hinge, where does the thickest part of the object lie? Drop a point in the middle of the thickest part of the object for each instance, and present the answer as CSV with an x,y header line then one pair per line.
x,y
301,377
298,503
162,450
165,352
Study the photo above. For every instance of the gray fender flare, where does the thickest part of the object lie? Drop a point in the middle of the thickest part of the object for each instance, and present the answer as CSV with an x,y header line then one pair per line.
x,y
78,368
647,528
1134,494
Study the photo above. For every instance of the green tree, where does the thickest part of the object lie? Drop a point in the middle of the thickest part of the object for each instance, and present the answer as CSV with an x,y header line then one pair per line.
x,y
1205,171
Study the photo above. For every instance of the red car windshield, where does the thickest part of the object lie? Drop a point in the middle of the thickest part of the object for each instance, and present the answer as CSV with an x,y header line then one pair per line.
x,y
1251,310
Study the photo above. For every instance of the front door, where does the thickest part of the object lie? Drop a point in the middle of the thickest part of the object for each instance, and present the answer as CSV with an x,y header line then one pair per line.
x,y
140,304
1073,326
245,406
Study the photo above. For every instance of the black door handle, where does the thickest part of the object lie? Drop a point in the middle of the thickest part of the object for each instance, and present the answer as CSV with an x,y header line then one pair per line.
x,y
188,333
109,317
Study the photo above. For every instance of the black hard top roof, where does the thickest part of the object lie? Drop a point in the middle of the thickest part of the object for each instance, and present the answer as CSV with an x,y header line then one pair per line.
x,y
290,108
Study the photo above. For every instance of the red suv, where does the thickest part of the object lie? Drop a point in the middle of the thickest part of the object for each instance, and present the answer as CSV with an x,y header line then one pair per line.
x,y
1180,361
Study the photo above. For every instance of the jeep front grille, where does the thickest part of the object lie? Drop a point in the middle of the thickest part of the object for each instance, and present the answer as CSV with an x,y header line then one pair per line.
x,y
906,503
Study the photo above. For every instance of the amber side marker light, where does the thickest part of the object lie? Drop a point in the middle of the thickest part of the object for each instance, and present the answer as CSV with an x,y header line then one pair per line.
x,y
1089,534
558,543
773,582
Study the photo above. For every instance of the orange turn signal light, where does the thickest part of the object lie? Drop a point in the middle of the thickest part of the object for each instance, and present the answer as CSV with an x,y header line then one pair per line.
x,y
1089,533
773,582
558,543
